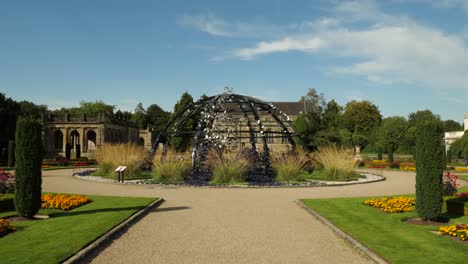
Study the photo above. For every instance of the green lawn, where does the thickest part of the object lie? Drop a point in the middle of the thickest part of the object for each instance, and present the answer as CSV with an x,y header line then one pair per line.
x,y
388,235
64,233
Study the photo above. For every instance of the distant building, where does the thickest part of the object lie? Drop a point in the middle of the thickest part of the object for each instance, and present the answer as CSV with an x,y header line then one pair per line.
x,y
450,137
86,131
276,138
89,132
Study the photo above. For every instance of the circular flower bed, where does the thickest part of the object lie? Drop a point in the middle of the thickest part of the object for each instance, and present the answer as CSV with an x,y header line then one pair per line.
x,y
393,204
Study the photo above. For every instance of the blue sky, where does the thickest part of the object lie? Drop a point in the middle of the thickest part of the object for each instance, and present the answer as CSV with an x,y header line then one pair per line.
x,y
403,55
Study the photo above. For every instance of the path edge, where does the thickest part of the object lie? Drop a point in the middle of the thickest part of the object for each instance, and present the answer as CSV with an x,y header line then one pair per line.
x,y
104,240
356,245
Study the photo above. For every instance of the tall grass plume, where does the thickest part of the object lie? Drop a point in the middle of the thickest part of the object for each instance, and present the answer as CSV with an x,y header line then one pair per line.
x,y
173,167
289,166
338,162
227,166
109,156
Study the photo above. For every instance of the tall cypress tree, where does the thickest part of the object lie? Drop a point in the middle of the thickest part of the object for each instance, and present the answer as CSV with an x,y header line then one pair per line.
x,y
28,154
429,169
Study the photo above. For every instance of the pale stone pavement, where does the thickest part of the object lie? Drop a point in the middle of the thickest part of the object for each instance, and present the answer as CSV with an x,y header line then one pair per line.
x,y
222,225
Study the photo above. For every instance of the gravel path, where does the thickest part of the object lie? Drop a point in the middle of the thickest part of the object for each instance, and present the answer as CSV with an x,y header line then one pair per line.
x,y
222,225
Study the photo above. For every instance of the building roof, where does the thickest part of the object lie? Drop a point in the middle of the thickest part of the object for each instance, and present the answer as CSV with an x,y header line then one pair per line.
x,y
290,108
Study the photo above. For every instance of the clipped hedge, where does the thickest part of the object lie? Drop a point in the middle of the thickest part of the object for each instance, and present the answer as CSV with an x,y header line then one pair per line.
x,y
430,164
28,176
7,202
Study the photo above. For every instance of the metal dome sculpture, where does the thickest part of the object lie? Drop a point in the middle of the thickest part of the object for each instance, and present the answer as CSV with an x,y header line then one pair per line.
x,y
218,128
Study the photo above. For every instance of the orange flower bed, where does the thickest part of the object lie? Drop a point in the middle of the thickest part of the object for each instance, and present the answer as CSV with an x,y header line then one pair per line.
x,y
63,201
6,227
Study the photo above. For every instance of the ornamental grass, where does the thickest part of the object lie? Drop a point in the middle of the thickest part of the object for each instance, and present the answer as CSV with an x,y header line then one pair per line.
x,y
393,204
338,162
6,227
110,156
63,201
173,167
228,166
289,166
460,231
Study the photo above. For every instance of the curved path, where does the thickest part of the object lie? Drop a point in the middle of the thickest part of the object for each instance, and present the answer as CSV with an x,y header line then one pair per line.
x,y
222,225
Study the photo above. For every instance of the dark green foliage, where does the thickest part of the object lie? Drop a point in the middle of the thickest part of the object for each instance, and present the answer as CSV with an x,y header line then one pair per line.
x,y
89,108
78,151
68,151
449,156
452,125
181,142
11,153
139,117
361,118
28,166
459,148
379,153
429,168
7,202
390,153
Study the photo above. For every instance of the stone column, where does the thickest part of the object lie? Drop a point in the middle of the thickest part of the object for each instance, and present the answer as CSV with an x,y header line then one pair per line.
x,y
65,138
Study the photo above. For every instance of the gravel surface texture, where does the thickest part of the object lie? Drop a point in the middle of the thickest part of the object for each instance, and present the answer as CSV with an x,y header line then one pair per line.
x,y
229,225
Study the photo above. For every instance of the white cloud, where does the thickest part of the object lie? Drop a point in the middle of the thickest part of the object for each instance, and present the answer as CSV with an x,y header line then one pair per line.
x,y
283,45
387,49
208,24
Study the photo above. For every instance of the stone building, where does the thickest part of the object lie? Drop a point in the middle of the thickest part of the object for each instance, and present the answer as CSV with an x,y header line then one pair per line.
x,y
91,131
276,139
450,137
86,131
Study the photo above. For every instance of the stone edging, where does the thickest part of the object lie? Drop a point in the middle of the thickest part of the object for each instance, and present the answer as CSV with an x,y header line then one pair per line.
x,y
347,238
92,249
318,184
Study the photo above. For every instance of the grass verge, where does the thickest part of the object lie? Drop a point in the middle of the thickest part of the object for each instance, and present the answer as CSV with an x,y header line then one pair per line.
x,y
64,233
388,235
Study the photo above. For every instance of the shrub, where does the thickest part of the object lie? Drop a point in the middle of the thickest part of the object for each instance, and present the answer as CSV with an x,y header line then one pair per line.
x,y
450,184
11,153
394,165
227,166
289,166
338,163
28,175
172,168
429,168
109,156
7,182
7,202
393,205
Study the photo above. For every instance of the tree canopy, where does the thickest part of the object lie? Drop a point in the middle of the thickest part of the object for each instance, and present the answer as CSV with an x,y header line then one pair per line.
x,y
361,118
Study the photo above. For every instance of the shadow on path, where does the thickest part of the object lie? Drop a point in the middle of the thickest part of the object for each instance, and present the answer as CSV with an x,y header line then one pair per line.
x,y
168,209
61,214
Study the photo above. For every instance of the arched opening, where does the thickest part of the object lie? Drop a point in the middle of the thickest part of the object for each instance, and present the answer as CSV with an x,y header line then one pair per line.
x,y
91,140
74,139
58,140
141,142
